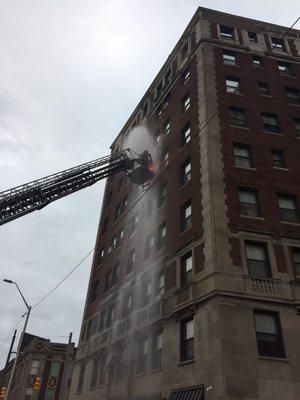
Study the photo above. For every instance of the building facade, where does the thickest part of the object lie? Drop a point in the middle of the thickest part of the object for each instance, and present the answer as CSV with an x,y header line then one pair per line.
x,y
194,290
40,358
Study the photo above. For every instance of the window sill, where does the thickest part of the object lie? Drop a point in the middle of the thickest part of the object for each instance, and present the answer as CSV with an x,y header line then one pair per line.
x,y
290,223
273,359
265,95
185,145
186,230
251,217
239,127
247,168
182,363
294,104
281,168
272,133
185,184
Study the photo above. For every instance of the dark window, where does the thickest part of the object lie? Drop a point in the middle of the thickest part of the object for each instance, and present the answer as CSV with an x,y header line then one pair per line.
x,y
127,304
109,199
257,61
149,245
278,159
229,58
248,202
162,233
147,292
115,275
296,261
186,216
252,37
297,125
110,316
95,372
268,334
160,285
263,88
284,68
145,109
81,377
99,256
105,225
187,339
162,194
117,211
107,283
185,75
168,76
143,355
242,156
292,95
226,32
277,43
237,116
167,127
102,370
184,50
288,208
186,172
270,122
186,267
89,329
157,350
186,134
130,261
232,85
257,259
120,365
95,291
186,102
165,156
159,90
102,321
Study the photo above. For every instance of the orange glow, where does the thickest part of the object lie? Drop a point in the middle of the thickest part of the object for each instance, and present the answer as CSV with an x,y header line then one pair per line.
x,y
153,167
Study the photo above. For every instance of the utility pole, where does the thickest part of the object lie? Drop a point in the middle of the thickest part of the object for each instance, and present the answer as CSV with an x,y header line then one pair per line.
x,y
10,349
20,340
66,373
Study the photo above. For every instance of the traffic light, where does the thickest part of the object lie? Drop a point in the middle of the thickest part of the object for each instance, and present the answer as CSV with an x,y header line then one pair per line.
x,y
3,393
37,384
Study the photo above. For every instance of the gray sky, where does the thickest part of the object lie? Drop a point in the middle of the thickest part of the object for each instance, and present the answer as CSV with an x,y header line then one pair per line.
x,y
71,73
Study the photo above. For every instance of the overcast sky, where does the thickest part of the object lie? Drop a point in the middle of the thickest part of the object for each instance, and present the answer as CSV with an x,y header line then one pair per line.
x,y
71,72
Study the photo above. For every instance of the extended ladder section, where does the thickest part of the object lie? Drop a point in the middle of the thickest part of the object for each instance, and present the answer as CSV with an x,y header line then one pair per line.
x,y
24,199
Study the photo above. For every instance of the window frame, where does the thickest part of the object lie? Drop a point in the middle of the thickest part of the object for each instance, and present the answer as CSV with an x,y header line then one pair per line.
x,y
186,102
186,276
251,207
234,120
247,147
282,210
270,127
186,222
267,265
279,162
263,88
295,265
227,32
233,89
185,177
229,57
184,341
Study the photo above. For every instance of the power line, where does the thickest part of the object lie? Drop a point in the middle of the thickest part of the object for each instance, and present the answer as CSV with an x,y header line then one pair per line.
x,y
205,124
12,331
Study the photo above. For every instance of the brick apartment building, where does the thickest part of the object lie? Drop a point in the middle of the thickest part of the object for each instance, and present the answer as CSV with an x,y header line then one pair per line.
x,y
195,290
44,359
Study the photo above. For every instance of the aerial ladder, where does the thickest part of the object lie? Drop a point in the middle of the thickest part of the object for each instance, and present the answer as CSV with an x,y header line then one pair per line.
x,y
37,194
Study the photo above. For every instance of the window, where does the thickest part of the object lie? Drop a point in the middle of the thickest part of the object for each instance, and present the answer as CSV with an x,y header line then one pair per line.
x,y
242,157
288,208
34,367
186,267
127,304
130,261
278,160
105,226
186,75
162,233
145,109
248,202
54,370
268,334
133,223
120,365
149,245
232,85
115,275
297,125
284,68
110,316
102,321
296,261
50,392
186,172
165,156
97,369
168,76
147,292
257,259
292,95
226,32
160,285
184,50
229,58
237,116
157,138
187,339
263,88
186,216
277,43
157,350
270,122
257,61
81,377
167,127
102,370
89,329
158,90
186,102
162,194
252,36
143,355
95,290
186,134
